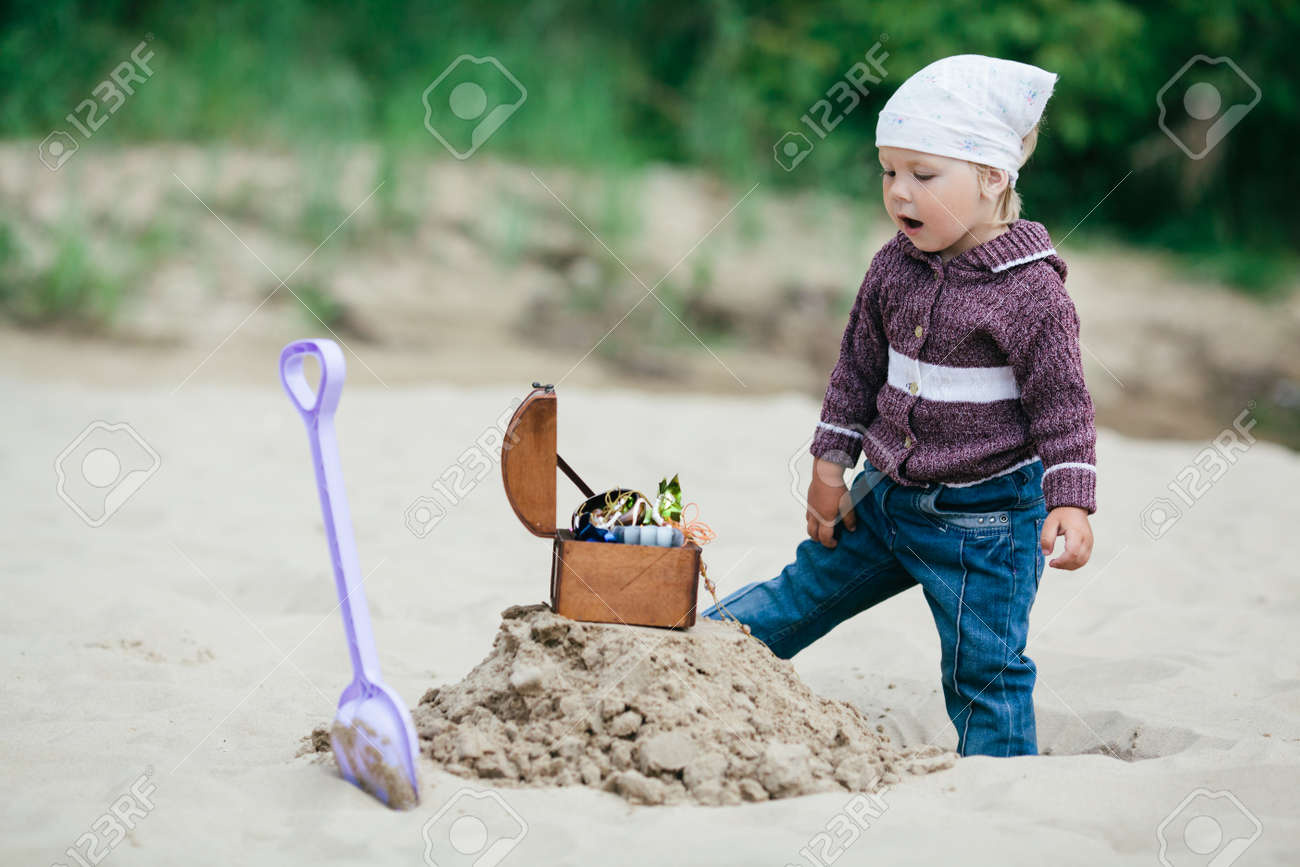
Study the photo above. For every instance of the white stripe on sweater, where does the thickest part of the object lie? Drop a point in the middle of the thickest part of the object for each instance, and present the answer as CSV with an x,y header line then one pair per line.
x,y
1051,251
1073,464
838,429
946,383
1026,462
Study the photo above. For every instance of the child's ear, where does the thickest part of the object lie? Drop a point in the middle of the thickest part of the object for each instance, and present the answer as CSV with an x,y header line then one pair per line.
x,y
993,181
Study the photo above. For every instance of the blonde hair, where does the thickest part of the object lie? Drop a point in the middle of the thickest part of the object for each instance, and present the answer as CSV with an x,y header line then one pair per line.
x,y
1007,209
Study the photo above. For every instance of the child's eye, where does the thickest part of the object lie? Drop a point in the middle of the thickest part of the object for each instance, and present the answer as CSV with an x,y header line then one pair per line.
x,y
923,178
884,172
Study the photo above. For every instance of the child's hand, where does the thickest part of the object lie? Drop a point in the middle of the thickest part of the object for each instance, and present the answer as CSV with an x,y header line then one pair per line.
x,y
1071,522
828,503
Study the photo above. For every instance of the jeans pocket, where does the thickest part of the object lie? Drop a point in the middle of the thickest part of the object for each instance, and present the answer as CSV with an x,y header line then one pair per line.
x,y
975,512
1040,559
1029,485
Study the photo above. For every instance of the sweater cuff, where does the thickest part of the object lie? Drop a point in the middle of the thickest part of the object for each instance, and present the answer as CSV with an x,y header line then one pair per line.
x,y
1071,485
837,444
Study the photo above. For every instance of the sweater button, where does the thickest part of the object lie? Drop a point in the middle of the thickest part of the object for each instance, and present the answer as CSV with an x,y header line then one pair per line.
x,y
918,331
913,387
907,442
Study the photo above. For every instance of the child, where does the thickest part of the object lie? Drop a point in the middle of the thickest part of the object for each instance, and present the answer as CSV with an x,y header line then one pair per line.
x,y
959,380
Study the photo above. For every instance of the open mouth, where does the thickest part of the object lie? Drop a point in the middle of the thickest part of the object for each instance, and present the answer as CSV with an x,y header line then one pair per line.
x,y
911,224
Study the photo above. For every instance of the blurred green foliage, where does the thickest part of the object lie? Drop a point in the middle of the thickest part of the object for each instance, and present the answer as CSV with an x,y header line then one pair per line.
x,y
713,84
72,289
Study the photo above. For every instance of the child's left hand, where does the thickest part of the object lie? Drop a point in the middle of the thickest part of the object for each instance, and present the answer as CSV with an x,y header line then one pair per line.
x,y
1071,522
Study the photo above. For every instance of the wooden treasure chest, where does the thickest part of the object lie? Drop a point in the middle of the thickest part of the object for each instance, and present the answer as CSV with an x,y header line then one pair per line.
x,y
604,582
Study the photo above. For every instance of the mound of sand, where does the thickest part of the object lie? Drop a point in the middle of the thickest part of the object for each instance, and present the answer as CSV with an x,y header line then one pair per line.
x,y
656,716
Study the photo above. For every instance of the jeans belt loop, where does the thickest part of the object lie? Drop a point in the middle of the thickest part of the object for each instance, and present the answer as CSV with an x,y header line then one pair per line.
x,y
1023,477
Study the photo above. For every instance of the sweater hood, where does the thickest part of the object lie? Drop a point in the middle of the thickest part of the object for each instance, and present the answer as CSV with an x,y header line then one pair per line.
x,y
1024,241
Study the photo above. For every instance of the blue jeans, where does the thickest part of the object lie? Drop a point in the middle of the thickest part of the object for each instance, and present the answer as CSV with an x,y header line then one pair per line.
x,y
974,551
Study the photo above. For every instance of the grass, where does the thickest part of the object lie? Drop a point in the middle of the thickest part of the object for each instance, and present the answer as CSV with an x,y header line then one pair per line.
x,y
71,289
319,306
394,214
239,75
618,86
70,285
1278,421
1264,274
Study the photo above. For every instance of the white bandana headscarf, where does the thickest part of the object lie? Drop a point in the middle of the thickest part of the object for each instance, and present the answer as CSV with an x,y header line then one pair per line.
x,y
969,107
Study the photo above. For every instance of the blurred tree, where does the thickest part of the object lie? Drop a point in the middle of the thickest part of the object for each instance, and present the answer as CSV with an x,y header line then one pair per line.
x,y
713,83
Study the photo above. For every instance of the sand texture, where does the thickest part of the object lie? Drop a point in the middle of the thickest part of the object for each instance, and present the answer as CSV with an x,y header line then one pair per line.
x,y
184,648
707,714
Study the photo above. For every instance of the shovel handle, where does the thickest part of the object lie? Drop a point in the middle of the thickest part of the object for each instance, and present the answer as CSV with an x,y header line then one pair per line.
x,y
317,409
333,370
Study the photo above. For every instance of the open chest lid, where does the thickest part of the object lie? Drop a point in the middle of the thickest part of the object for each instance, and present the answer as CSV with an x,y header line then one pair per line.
x,y
529,461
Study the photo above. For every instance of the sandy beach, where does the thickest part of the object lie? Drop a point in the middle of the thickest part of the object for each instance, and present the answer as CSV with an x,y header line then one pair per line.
x,y
183,649
671,215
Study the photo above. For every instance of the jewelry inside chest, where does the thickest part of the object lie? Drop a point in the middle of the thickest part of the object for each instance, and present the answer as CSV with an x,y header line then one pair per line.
x,y
640,585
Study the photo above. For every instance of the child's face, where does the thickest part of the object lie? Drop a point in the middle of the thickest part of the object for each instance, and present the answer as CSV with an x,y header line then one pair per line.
x,y
937,201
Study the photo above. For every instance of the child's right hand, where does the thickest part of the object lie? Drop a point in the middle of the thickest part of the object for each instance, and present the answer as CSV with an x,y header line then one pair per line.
x,y
828,503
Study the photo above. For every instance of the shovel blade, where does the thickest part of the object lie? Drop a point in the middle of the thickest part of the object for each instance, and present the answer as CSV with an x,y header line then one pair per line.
x,y
374,744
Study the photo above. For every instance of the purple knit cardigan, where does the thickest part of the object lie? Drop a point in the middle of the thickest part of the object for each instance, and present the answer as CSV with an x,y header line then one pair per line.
x,y
961,371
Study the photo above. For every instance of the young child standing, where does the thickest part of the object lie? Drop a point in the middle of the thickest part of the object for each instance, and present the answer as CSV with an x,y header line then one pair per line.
x,y
960,383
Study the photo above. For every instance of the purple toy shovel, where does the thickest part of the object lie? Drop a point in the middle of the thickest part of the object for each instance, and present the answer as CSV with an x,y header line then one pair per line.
x,y
372,737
